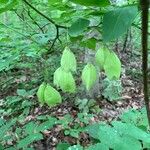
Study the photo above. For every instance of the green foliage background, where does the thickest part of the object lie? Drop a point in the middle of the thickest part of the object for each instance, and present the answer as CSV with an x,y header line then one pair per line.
x,y
33,36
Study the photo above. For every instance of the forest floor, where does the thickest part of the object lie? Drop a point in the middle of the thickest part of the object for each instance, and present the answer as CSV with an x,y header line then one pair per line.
x,y
132,97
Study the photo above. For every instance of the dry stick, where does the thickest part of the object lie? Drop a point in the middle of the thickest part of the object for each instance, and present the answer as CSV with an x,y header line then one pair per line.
x,y
145,7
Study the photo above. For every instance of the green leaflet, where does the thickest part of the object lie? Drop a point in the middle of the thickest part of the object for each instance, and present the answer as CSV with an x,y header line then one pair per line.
x,y
75,147
108,61
101,56
63,146
116,22
23,143
112,66
78,27
132,131
6,5
98,146
68,60
96,3
40,93
51,96
89,76
109,136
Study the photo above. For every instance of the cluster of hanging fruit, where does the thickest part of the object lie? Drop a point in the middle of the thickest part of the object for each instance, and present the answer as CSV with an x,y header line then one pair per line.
x,y
106,61
63,78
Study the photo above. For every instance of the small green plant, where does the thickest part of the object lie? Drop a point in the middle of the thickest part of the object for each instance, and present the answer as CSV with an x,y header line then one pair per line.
x,y
112,89
18,104
32,131
69,126
4,128
73,127
63,77
25,134
87,106
136,117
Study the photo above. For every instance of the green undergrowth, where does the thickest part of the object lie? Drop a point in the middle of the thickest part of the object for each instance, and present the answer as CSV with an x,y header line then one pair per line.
x,y
129,132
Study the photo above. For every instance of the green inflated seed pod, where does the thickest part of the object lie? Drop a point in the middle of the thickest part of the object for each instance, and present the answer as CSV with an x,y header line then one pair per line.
x,y
40,93
57,77
68,60
101,56
51,96
112,66
67,82
89,76
64,80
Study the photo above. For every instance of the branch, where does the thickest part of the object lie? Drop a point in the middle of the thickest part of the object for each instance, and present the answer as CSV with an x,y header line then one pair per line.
x,y
43,15
19,16
50,20
35,22
57,37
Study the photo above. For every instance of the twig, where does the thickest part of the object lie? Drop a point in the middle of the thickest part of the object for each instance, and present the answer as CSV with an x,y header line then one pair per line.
x,y
57,37
35,22
22,19
45,25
